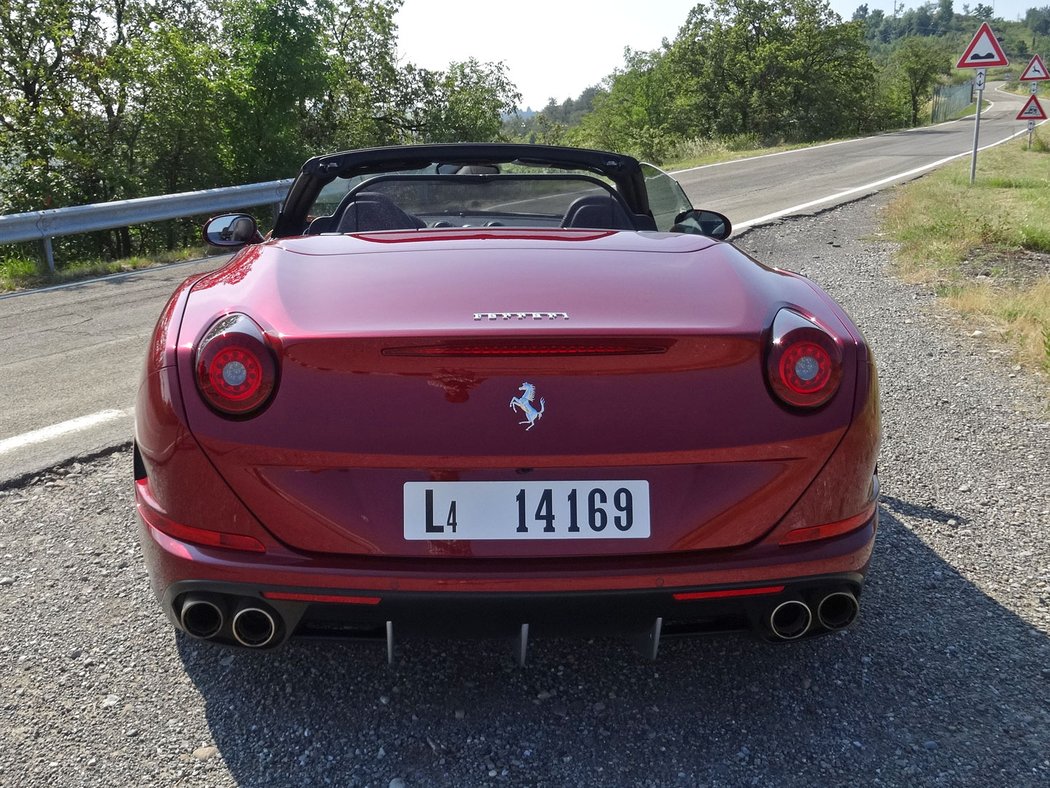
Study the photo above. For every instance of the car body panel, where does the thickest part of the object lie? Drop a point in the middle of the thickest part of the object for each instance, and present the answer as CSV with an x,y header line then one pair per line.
x,y
399,356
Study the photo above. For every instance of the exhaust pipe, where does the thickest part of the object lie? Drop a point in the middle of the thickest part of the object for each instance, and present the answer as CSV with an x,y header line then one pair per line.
x,y
254,627
200,617
838,610
790,620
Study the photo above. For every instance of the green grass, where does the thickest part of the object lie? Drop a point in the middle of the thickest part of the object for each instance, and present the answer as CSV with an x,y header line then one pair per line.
x,y
17,273
986,247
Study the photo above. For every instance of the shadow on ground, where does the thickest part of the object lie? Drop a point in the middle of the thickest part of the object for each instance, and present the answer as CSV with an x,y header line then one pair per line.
x,y
937,685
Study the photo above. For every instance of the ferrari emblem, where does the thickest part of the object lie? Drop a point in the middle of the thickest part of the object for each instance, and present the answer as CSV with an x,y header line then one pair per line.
x,y
524,404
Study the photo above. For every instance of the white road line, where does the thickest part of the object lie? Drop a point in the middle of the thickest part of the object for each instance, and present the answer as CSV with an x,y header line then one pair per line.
x,y
748,159
45,434
837,142
866,187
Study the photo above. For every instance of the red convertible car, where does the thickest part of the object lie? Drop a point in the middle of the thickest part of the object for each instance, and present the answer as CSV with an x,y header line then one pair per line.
x,y
505,390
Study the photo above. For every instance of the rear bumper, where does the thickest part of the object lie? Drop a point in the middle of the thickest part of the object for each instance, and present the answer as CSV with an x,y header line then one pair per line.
x,y
368,598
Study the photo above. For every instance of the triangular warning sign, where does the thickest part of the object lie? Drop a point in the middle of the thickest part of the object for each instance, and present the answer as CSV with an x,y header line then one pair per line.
x,y
1035,71
1032,110
984,51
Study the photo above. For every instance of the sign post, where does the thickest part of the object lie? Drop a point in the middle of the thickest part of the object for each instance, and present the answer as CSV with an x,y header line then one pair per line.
x,y
1033,74
1031,111
983,51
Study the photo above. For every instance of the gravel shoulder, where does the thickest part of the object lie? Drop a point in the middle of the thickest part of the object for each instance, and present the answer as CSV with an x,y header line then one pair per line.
x,y
944,681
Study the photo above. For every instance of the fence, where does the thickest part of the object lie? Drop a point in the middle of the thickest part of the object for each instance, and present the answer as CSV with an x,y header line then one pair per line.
x,y
950,100
44,225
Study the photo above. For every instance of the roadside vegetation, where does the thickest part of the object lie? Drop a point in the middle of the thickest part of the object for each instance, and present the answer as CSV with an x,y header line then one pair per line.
x,y
106,100
986,248
18,272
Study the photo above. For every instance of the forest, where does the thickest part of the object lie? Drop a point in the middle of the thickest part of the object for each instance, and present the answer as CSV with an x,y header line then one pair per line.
x,y
113,99
760,72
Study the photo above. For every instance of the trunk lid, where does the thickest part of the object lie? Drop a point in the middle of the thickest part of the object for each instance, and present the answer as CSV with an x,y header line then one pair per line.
x,y
400,359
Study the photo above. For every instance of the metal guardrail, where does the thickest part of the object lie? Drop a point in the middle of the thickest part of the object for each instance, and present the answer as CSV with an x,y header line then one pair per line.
x,y
44,225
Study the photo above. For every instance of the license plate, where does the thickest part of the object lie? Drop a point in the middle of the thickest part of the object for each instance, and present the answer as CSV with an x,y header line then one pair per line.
x,y
526,510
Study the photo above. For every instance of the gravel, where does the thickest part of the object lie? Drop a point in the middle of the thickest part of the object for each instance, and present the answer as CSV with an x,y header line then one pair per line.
x,y
944,681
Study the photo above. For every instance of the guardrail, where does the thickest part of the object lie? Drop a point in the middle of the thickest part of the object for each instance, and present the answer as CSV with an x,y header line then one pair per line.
x,y
44,225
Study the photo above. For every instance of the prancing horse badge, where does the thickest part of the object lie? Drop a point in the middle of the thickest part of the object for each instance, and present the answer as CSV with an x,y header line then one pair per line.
x,y
524,404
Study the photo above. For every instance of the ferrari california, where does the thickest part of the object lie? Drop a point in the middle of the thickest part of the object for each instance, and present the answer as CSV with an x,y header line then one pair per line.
x,y
502,390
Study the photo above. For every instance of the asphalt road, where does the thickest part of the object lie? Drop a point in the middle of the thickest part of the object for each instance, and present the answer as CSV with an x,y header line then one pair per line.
x,y
943,682
70,356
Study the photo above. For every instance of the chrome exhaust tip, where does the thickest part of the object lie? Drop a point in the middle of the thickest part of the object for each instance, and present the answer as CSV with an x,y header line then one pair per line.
x,y
790,620
838,610
254,627
201,618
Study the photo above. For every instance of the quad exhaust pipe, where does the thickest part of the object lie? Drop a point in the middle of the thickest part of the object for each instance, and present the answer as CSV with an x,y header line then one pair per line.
x,y
254,627
201,617
790,620
838,610
204,617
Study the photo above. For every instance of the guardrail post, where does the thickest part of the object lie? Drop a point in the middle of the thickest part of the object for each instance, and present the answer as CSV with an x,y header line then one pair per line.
x,y
49,254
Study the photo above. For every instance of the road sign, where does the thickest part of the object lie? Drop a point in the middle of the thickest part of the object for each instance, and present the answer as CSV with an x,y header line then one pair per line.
x,y
1031,126
983,51
1034,71
979,81
1032,110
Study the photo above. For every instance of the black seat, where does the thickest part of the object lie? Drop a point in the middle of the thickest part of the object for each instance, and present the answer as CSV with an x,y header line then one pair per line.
x,y
597,212
371,211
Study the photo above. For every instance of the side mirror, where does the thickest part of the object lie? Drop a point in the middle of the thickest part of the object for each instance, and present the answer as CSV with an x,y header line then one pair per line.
x,y
697,221
231,230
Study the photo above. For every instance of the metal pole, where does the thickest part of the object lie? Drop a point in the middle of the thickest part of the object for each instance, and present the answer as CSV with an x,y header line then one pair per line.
x,y
977,124
49,255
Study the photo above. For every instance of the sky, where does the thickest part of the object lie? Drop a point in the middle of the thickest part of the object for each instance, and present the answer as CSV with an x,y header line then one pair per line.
x,y
557,48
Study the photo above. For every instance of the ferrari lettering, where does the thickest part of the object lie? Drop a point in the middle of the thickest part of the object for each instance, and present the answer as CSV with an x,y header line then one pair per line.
x,y
521,315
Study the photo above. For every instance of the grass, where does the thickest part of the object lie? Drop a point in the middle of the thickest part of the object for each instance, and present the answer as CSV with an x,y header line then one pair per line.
x,y
18,273
985,248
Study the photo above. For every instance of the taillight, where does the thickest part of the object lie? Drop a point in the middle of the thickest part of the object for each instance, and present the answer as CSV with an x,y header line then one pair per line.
x,y
804,366
236,369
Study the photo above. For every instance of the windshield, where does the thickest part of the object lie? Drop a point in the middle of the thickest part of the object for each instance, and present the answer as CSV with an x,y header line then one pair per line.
x,y
511,196
667,199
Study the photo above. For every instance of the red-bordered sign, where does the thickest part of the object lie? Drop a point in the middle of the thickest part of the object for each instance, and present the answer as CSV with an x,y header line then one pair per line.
x,y
984,51
1035,70
1032,110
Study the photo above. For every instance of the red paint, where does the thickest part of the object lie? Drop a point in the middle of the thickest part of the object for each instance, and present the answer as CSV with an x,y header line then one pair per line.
x,y
828,530
727,593
331,599
385,377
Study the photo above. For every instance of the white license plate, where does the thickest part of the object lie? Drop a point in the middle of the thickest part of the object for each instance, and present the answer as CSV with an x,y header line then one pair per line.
x,y
526,510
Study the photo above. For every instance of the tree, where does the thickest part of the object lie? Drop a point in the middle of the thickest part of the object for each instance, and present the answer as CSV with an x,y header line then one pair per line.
x,y
775,68
635,113
918,63
945,16
465,103
1038,20
983,12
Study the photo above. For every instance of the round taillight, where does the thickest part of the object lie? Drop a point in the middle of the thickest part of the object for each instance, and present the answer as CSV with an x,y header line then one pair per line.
x,y
805,362
236,369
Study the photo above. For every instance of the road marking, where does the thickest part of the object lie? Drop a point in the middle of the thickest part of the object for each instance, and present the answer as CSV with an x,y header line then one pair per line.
x,y
867,187
746,159
45,434
838,142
